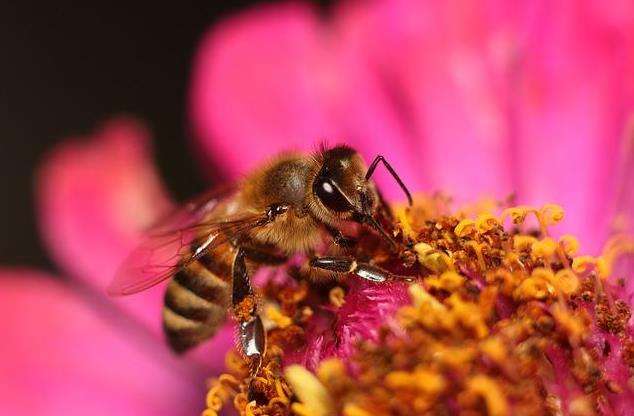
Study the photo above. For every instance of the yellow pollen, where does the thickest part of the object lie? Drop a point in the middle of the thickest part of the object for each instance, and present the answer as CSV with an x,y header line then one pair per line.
x,y
581,406
465,228
354,410
494,348
491,392
425,381
477,248
275,315
569,244
434,260
517,214
566,281
314,397
403,220
486,222
337,296
544,248
523,242
583,265
330,370
533,288
249,411
616,247
572,325
469,315
551,214
449,281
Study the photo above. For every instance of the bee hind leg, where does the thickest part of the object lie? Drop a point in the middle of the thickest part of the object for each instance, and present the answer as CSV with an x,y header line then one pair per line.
x,y
251,334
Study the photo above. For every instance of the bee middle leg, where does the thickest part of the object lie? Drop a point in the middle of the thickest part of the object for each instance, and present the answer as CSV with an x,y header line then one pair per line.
x,y
347,264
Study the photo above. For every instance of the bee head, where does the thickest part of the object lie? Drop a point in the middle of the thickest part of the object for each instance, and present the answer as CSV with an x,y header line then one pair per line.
x,y
340,185
343,191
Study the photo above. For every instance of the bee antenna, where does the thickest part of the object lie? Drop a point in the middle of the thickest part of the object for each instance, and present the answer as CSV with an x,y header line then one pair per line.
x,y
372,168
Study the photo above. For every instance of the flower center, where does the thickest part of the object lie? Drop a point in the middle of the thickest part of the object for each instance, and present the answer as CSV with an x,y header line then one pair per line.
x,y
503,318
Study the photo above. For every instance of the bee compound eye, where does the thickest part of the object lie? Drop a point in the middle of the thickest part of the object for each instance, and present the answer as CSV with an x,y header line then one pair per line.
x,y
330,195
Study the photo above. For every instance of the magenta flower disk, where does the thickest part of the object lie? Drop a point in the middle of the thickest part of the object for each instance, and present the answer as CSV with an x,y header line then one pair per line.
x,y
475,99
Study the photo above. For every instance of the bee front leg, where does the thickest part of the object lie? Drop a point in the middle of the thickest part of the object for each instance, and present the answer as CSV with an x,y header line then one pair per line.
x,y
346,264
251,334
340,239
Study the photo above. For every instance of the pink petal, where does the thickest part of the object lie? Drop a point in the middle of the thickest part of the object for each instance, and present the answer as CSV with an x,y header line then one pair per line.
x,y
623,209
96,196
336,332
504,97
276,78
571,111
448,62
60,356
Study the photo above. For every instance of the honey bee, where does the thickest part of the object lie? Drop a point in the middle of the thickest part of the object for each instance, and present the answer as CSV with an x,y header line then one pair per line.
x,y
211,246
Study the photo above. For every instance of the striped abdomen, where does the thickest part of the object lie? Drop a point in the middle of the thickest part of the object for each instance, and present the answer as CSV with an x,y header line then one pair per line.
x,y
196,301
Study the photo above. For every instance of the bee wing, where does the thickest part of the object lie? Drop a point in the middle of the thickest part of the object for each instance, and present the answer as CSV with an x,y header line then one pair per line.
x,y
175,242
191,212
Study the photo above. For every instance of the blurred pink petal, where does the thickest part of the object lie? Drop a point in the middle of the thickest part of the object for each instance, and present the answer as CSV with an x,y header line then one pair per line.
x,y
64,358
276,78
571,111
472,98
624,201
448,63
96,196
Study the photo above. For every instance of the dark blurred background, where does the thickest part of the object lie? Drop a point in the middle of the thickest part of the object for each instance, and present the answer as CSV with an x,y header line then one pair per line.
x,y
66,66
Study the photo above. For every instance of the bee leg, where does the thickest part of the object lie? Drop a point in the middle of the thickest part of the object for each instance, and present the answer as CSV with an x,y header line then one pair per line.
x,y
263,257
251,334
340,239
345,264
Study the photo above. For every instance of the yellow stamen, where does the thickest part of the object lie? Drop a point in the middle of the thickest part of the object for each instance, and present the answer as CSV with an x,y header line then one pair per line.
x,y
486,222
551,214
315,399
492,394
523,242
337,296
434,260
274,314
354,410
465,228
449,281
569,244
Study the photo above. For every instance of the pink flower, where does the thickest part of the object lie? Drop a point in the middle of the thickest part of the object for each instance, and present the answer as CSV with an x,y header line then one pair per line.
x,y
471,98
